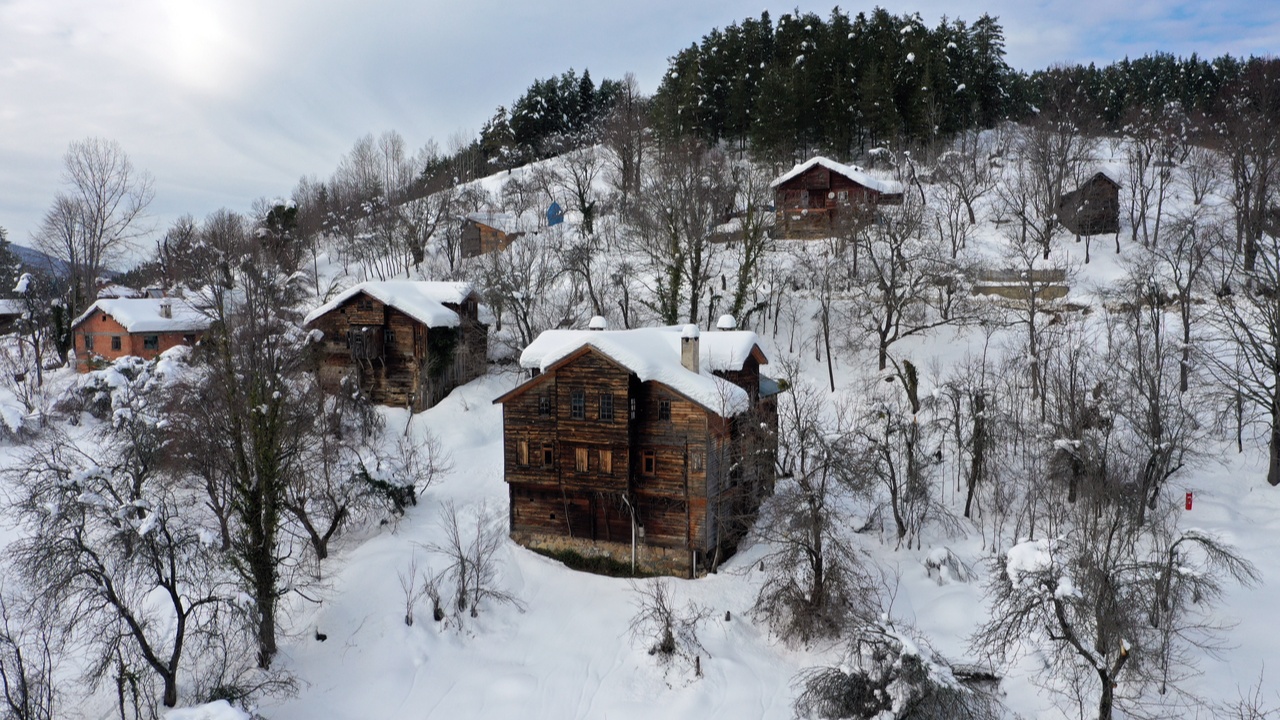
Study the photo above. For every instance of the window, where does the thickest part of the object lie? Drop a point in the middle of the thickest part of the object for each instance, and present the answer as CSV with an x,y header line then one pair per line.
x,y
580,459
633,408
544,405
188,339
697,461
648,462
606,406
150,342
88,343
664,409
522,452
606,461
548,455
115,342
578,405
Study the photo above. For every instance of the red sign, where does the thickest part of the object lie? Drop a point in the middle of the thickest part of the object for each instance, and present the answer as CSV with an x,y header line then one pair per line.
x,y
1188,500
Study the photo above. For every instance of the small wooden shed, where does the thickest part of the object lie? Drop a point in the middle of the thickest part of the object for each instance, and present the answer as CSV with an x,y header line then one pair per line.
x,y
1093,208
402,343
486,232
815,195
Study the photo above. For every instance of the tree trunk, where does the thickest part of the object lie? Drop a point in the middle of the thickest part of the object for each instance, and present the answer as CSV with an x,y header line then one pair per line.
x,y
976,467
1107,698
1273,454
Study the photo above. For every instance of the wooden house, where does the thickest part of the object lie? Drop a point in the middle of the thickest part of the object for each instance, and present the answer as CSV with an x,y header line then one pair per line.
x,y
814,197
653,444
403,343
144,327
483,233
1093,208
11,311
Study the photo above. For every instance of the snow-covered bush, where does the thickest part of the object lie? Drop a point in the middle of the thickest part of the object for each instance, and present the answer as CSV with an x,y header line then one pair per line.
x,y
891,674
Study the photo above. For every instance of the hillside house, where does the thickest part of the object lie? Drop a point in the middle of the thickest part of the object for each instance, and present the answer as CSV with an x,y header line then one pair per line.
x,y
486,232
11,311
655,441
403,343
112,328
1093,208
815,196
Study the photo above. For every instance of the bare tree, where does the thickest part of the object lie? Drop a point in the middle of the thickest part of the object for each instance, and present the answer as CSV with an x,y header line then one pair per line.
x,y
1093,603
684,195
1247,360
473,558
249,432
29,645
1144,362
966,173
116,548
529,287
1157,142
670,631
900,452
625,135
752,242
901,271
96,217
815,585
1051,160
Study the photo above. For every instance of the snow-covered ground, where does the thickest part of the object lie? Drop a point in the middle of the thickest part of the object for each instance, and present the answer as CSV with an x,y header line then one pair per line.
x,y
565,649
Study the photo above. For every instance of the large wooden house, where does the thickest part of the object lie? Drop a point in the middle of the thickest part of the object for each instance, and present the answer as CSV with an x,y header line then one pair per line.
x,y
1093,208
401,342
145,327
814,197
654,445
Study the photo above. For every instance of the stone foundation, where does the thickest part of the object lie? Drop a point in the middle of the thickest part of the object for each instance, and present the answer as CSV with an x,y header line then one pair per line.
x,y
676,562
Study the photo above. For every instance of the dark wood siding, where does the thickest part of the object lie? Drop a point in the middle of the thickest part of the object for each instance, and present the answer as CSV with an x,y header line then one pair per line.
x,y
814,202
397,368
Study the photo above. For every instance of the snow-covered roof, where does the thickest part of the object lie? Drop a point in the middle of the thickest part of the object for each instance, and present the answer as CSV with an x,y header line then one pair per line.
x,y
505,222
144,315
421,300
654,354
11,306
853,172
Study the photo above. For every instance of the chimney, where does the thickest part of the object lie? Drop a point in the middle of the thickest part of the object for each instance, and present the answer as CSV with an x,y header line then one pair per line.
x,y
726,322
166,308
689,348
598,323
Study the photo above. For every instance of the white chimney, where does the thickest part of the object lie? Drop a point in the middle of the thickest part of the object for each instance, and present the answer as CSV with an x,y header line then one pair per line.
x,y
598,322
689,348
726,322
166,309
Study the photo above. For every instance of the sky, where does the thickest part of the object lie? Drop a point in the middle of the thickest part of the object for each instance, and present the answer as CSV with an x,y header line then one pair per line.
x,y
227,101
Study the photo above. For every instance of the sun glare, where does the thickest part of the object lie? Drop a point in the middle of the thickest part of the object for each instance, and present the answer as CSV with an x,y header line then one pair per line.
x,y
203,48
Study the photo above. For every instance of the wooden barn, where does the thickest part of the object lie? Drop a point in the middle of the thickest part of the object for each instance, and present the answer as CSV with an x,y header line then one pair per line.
x,y
145,327
652,444
815,196
483,233
1093,208
401,342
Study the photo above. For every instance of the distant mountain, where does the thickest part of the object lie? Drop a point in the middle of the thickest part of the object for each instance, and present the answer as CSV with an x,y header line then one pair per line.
x,y
34,259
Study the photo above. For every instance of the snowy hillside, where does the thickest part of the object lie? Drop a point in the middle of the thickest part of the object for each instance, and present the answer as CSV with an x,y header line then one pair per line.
x,y
567,644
